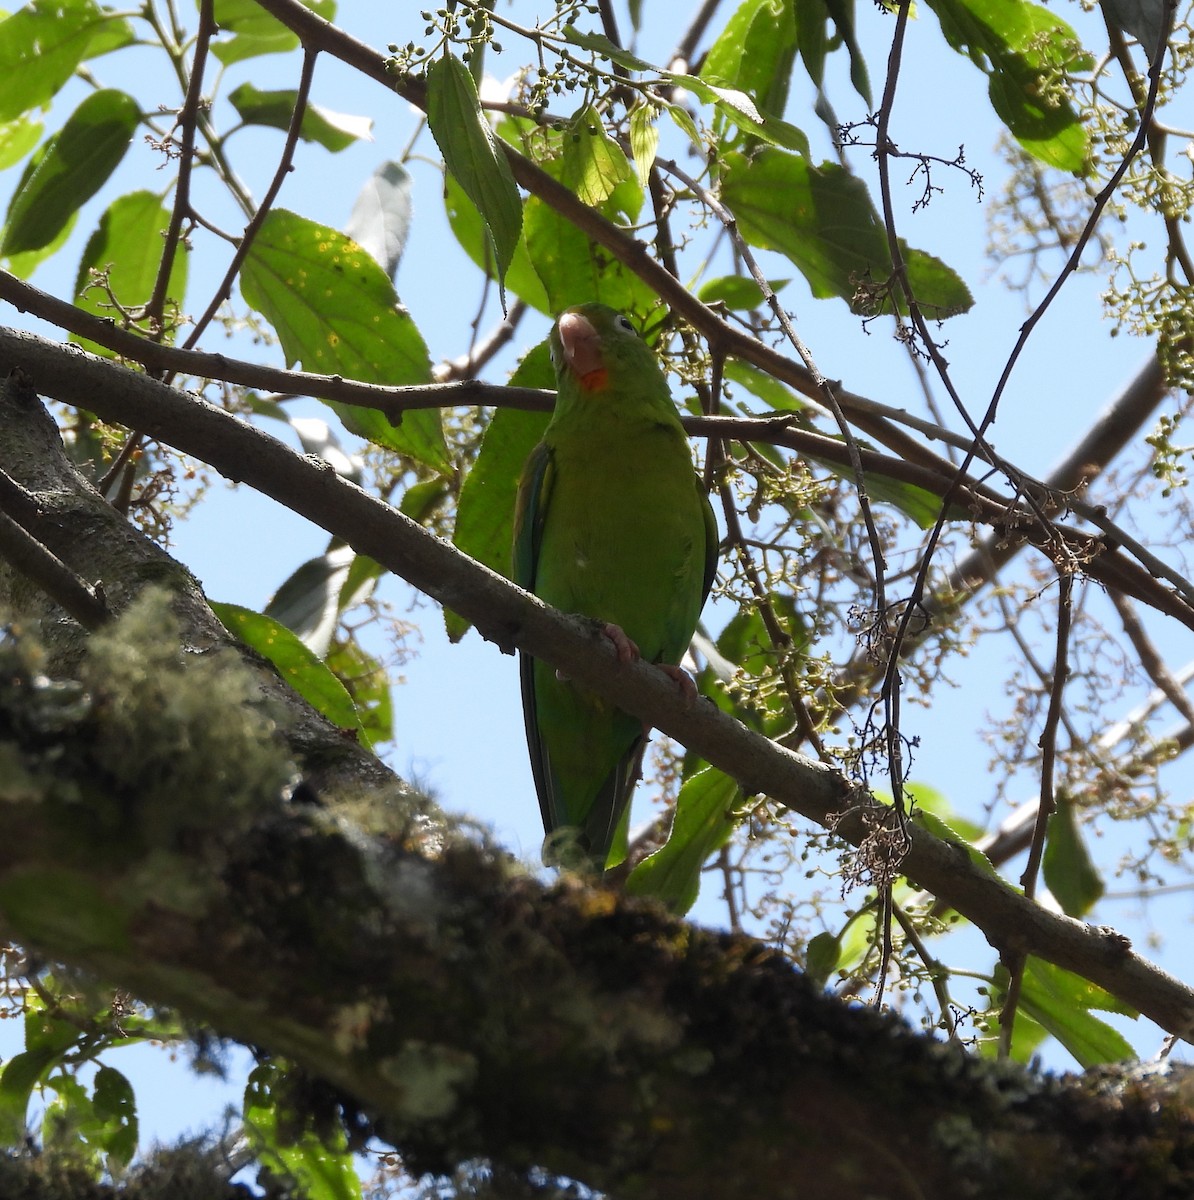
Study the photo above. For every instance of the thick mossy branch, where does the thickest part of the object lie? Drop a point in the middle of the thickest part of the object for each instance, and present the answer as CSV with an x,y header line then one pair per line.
x,y
471,1012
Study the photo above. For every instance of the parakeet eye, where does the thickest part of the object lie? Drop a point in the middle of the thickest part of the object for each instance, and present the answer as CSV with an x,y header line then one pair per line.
x,y
627,324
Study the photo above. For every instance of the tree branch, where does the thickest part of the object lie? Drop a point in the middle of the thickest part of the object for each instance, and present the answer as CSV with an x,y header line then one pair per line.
x,y
511,618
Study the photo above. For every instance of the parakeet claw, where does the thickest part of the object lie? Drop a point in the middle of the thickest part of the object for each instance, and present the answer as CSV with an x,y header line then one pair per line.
x,y
626,650
687,684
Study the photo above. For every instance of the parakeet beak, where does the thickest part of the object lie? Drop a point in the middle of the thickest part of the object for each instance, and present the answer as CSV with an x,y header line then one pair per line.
x,y
581,344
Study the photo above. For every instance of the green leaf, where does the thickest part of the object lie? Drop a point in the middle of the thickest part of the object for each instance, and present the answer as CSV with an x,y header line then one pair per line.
x,y
17,138
821,957
1021,47
473,156
593,163
1069,872
941,829
644,139
920,505
116,1108
308,602
76,164
43,43
24,264
841,13
255,31
471,232
127,246
705,818
823,220
314,1168
336,312
766,387
47,1041
485,512
927,799
736,291
368,683
683,121
310,677
573,270
755,52
731,102
332,130
1060,1001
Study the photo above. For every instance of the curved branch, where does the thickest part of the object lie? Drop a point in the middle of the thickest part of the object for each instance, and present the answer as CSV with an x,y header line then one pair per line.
x,y
513,619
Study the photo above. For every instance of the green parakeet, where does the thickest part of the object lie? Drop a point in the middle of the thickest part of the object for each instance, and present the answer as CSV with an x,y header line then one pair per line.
x,y
612,523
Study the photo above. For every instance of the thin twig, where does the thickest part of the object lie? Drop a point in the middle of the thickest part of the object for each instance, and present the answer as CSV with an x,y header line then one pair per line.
x,y
22,551
1016,960
253,227
1150,657
467,366
188,119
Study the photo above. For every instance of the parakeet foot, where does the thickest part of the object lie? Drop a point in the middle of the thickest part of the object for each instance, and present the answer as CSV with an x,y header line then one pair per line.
x,y
686,682
626,650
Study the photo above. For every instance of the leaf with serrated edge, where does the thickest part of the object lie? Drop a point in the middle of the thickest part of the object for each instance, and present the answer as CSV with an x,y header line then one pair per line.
x,y
472,154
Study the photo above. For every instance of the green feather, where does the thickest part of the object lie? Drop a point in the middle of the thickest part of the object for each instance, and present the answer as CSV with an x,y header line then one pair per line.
x,y
613,524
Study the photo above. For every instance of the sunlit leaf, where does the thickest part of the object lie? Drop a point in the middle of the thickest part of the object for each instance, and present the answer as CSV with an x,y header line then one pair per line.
x,y
593,163
755,51
336,312
730,101
925,799
644,139
940,828
368,683
48,1038
736,291
297,665
275,109
315,1168
254,31
43,43
472,154
822,219
572,268
1060,1001
485,511
1022,47
17,138
705,817
126,250
76,164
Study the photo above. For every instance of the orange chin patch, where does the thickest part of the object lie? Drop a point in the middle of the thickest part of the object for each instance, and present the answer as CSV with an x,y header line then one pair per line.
x,y
595,380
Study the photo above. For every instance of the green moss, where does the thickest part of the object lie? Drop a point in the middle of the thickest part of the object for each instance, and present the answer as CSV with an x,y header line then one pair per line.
x,y
190,744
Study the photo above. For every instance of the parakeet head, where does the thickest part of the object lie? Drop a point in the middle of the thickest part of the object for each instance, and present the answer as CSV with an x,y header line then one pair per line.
x,y
592,342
